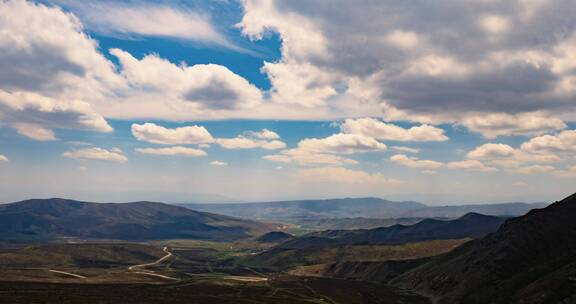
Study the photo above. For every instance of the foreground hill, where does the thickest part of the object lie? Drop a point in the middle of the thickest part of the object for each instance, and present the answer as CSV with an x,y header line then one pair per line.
x,y
308,212
45,219
530,259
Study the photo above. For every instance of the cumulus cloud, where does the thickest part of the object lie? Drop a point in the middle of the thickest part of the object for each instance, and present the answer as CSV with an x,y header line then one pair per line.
x,y
471,165
34,115
114,155
414,162
242,142
152,133
385,131
218,163
3,159
342,175
264,134
506,156
51,71
429,58
169,151
564,141
324,151
198,87
264,139
304,157
342,143
502,124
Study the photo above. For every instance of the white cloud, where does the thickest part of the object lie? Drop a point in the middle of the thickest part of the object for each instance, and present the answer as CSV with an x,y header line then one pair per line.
x,y
304,157
405,149
506,156
248,143
471,165
97,154
502,124
264,139
218,163
491,151
183,151
156,134
51,72
323,151
129,19
3,159
299,85
34,131
342,143
342,175
201,87
564,141
429,172
414,162
45,51
34,116
385,131
264,134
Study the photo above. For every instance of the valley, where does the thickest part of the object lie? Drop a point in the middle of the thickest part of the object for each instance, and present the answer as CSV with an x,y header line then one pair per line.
x,y
396,263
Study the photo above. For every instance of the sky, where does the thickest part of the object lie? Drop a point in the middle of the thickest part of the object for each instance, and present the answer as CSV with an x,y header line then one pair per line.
x,y
443,102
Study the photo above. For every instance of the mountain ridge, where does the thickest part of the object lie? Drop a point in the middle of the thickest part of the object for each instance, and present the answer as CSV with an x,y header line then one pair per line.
x,y
298,211
529,259
56,218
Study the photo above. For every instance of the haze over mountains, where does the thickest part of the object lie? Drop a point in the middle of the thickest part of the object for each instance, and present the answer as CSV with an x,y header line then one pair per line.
x,y
45,219
357,207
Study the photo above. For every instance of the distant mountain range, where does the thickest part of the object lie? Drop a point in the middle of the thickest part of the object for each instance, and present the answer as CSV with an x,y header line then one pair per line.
x,y
305,210
530,259
471,225
48,219
298,251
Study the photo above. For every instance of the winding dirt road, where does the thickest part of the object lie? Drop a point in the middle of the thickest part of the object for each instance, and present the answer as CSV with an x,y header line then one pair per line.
x,y
67,273
167,256
139,269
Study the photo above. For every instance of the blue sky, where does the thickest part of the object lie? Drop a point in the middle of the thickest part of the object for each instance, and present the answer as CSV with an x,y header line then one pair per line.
x,y
261,100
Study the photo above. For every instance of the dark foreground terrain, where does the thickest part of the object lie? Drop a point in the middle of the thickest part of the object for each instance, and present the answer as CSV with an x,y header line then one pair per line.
x,y
177,271
286,290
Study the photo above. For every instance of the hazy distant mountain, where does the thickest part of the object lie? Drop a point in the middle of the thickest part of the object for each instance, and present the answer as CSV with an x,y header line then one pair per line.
x,y
337,208
471,225
40,219
353,223
301,212
530,259
332,245
505,209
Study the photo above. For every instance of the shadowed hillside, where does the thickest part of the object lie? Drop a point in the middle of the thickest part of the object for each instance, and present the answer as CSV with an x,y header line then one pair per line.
x,y
45,219
530,259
